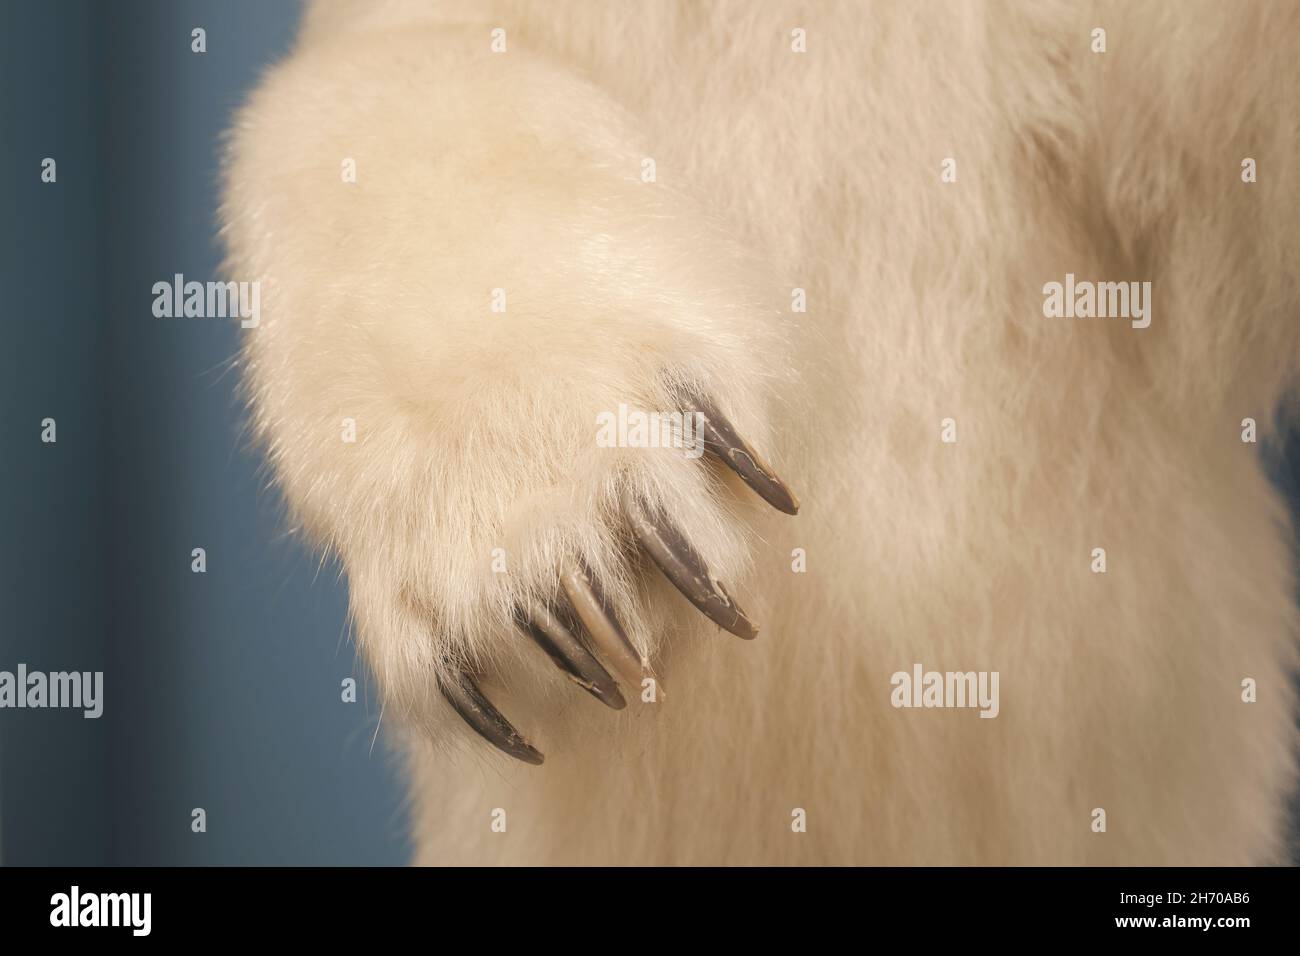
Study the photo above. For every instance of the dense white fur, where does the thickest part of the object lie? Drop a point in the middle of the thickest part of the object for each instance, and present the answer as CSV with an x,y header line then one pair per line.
x,y
820,171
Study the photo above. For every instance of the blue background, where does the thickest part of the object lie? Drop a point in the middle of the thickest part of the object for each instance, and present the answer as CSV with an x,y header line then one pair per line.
x,y
222,689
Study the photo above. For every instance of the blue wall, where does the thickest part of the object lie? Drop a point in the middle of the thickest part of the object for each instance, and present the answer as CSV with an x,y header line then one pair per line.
x,y
222,690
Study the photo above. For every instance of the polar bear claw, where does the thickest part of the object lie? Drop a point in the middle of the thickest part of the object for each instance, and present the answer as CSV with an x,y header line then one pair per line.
x,y
581,618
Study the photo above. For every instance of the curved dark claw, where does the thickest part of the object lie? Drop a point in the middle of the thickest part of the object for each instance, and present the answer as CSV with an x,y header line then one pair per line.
x,y
571,656
684,567
592,610
733,451
477,711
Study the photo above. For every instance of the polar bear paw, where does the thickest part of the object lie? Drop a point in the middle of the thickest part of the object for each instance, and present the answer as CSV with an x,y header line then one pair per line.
x,y
580,630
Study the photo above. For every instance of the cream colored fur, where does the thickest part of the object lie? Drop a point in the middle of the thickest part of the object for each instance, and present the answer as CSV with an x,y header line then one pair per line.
x,y
775,170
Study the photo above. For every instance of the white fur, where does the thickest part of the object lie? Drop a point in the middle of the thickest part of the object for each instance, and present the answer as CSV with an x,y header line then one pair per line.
x,y
821,171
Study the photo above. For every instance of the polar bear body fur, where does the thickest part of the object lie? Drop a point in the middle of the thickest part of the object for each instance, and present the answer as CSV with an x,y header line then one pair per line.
x,y
776,170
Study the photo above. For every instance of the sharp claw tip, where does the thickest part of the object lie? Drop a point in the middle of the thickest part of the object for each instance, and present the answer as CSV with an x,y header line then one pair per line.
x,y
783,499
609,695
